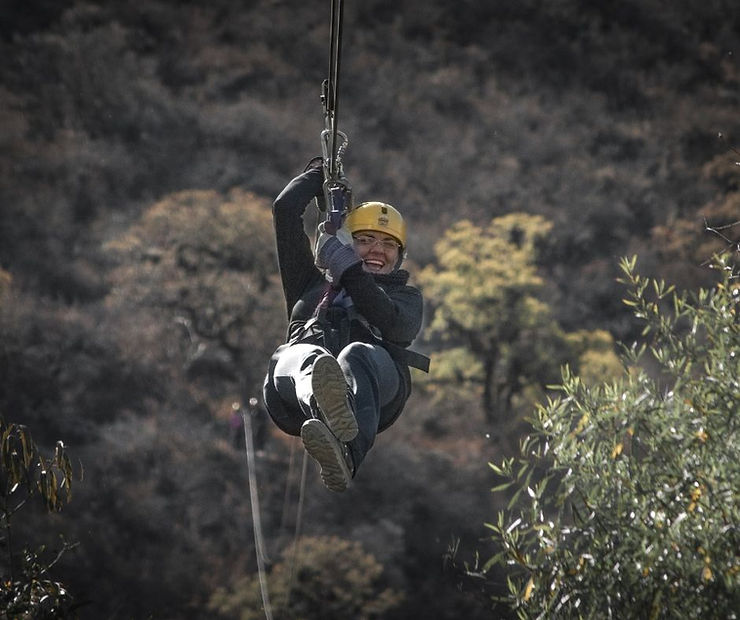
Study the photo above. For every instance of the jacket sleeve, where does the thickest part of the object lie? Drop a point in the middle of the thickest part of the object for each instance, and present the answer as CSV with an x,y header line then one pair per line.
x,y
295,257
397,313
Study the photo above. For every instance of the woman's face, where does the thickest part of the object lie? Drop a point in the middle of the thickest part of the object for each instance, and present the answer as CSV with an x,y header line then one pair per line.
x,y
378,251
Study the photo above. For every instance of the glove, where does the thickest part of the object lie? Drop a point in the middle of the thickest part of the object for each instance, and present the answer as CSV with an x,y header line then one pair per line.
x,y
333,255
321,240
324,235
345,237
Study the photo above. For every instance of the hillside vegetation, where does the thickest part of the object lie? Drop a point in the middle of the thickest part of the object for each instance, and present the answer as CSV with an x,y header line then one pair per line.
x,y
141,146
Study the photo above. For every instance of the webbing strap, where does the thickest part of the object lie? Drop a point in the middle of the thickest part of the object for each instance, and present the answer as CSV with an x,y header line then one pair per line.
x,y
328,297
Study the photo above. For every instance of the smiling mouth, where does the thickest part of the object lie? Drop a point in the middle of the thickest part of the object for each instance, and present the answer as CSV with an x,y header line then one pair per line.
x,y
374,265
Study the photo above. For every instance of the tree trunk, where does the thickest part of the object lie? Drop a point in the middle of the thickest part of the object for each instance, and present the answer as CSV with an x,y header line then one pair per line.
x,y
489,397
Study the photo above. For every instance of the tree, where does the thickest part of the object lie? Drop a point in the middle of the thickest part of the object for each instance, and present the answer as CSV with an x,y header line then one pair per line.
x,y
683,244
494,331
332,578
625,501
199,270
5,281
483,295
26,587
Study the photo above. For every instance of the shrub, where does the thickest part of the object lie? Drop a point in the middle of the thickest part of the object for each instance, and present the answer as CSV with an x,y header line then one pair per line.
x,y
26,587
331,578
626,499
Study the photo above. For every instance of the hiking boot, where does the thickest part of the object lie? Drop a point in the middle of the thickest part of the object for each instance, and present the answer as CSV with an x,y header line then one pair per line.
x,y
333,398
329,453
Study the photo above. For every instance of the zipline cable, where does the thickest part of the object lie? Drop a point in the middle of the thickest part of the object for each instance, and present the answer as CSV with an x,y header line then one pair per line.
x,y
337,194
335,57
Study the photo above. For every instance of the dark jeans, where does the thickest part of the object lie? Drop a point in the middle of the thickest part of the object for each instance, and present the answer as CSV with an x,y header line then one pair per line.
x,y
371,375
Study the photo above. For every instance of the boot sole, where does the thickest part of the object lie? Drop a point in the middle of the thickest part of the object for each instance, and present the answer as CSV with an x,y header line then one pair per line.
x,y
323,447
329,388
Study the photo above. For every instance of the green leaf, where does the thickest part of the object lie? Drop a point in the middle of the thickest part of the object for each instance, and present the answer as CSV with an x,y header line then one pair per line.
x,y
501,487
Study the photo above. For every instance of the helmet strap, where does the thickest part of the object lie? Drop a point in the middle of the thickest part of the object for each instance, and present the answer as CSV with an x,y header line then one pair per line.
x,y
401,258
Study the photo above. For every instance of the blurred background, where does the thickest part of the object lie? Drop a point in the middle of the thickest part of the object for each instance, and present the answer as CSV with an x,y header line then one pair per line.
x,y
141,147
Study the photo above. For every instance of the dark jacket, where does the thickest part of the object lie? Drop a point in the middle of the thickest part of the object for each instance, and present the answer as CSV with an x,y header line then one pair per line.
x,y
387,311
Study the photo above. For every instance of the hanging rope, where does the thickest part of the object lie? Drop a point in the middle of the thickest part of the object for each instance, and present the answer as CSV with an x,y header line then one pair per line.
x,y
286,496
298,525
259,544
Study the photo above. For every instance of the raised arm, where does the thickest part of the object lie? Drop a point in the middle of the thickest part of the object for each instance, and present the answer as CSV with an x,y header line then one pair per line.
x,y
295,257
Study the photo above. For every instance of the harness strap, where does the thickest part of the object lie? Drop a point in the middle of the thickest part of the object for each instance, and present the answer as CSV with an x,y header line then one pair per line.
x,y
407,356
397,352
328,297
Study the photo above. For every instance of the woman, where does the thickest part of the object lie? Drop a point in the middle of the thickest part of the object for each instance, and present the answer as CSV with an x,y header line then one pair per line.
x,y
342,376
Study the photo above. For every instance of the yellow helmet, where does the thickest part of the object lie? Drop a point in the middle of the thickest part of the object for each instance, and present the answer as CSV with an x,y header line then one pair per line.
x,y
379,217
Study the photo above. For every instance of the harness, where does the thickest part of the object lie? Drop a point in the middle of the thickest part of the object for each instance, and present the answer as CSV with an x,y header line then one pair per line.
x,y
332,324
